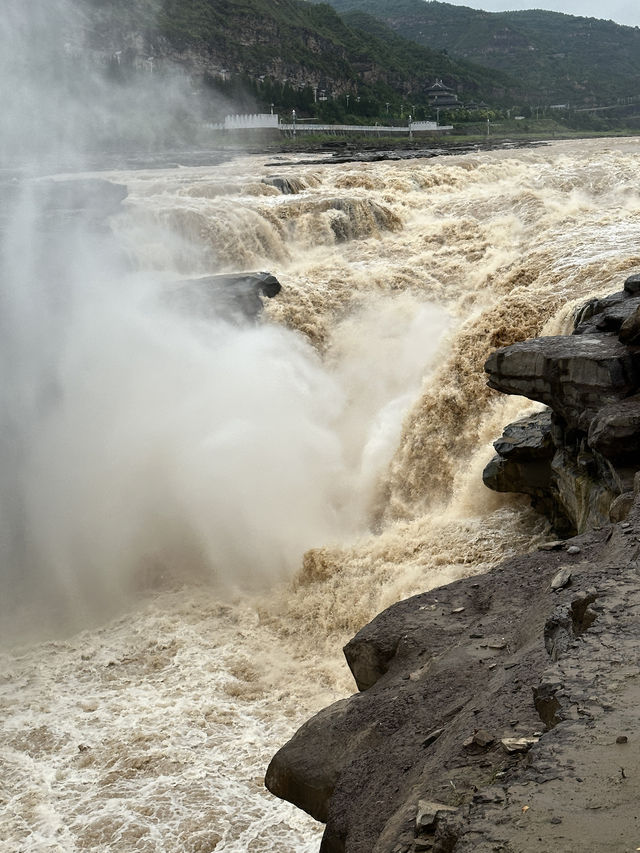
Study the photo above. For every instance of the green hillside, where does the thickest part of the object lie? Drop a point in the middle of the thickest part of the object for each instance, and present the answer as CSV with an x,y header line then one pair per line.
x,y
285,52
558,58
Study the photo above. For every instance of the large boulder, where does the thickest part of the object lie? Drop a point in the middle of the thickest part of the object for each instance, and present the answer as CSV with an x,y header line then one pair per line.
x,y
523,456
629,330
573,374
615,430
306,769
632,284
458,693
605,315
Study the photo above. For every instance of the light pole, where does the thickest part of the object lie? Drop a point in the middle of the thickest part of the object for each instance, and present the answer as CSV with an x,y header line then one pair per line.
x,y
293,116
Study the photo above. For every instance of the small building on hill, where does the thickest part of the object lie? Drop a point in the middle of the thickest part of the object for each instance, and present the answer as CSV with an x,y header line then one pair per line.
x,y
440,95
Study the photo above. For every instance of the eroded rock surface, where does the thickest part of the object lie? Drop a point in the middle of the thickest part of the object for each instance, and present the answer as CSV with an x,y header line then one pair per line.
x,y
575,375
581,456
470,715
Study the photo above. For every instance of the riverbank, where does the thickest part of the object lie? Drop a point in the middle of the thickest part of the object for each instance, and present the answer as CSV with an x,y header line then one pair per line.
x,y
500,713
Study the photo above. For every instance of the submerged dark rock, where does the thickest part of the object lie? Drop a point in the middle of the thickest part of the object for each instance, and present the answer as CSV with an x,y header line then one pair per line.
x,y
231,296
288,185
94,198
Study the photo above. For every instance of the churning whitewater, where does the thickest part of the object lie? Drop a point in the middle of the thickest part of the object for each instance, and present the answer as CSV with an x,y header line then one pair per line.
x,y
209,511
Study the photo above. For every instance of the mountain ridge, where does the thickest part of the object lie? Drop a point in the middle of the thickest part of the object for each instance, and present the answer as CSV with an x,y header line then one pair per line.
x,y
555,56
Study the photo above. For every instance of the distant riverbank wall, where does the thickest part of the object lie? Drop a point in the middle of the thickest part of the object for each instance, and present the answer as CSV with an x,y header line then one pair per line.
x,y
271,122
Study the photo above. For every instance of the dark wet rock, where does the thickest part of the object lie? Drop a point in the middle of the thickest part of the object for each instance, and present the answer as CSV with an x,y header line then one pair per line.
x,y
615,430
585,313
567,622
432,737
632,283
524,463
572,486
605,314
571,660
574,375
629,330
523,459
527,439
306,770
478,741
546,702
231,296
577,461
428,813
581,490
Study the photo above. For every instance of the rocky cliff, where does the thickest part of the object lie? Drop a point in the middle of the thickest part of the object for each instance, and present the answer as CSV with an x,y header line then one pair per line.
x,y
578,457
499,713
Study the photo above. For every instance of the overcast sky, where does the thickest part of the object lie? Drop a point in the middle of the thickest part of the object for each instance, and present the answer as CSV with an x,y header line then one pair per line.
x,y
621,11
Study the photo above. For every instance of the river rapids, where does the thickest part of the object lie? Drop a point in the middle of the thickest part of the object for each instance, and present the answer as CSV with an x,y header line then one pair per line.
x,y
212,510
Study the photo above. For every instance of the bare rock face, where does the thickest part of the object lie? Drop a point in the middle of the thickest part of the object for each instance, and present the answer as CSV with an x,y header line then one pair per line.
x,y
402,740
296,773
482,697
574,375
615,430
629,332
591,436
523,463
608,315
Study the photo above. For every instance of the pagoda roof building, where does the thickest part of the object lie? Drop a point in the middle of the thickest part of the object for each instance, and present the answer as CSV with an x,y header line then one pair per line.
x,y
440,95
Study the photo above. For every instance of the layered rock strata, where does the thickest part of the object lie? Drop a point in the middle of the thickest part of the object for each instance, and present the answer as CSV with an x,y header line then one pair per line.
x,y
578,458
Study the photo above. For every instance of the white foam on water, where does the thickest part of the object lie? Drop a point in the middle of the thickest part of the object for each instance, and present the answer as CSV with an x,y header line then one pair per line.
x,y
192,465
